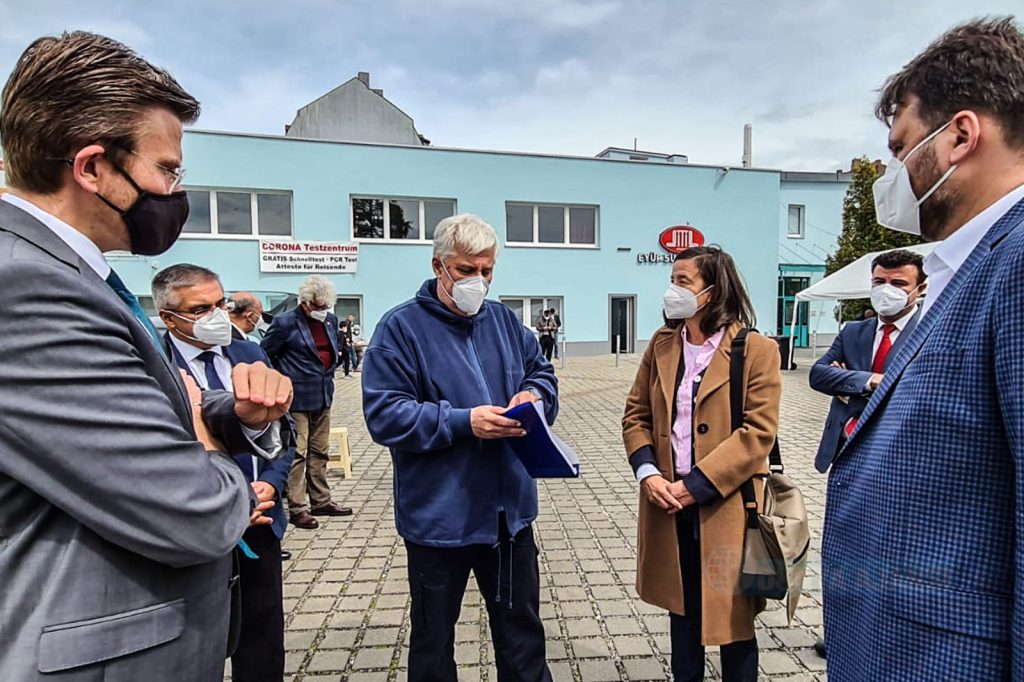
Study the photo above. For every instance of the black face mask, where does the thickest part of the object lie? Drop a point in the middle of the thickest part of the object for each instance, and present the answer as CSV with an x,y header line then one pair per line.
x,y
154,221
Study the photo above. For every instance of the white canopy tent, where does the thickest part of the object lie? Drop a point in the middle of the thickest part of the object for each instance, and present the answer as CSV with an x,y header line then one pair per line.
x,y
850,282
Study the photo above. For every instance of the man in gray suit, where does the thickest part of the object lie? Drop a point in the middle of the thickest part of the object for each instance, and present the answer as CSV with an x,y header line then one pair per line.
x,y
119,510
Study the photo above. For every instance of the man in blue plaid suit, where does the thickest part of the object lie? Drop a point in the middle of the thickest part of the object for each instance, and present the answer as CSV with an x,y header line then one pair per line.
x,y
923,555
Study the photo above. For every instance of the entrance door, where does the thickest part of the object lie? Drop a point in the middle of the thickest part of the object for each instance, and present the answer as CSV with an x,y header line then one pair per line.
x,y
788,288
623,323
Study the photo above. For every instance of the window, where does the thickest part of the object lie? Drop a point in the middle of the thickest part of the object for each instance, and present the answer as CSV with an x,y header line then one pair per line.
x,y
238,214
529,309
550,225
796,221
405,220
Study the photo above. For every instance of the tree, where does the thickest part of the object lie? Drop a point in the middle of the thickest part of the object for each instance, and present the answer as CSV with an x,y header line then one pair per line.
x,y
861,232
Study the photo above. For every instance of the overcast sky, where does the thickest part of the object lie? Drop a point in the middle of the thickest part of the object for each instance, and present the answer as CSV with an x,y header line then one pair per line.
x,y
557,76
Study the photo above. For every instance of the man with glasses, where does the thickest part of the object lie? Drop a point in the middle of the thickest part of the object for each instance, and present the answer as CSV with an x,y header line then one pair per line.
x,y
121,508
303,344
190,300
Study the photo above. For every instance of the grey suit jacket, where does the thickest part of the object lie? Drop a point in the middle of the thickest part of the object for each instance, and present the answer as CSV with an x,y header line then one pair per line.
x,y
116,526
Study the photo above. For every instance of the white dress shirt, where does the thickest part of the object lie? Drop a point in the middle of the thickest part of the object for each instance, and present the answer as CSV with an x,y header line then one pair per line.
x,y
900,325
948,257
222,366
79,243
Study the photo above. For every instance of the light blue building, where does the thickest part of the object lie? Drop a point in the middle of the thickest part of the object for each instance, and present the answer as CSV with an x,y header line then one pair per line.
x,y
580,234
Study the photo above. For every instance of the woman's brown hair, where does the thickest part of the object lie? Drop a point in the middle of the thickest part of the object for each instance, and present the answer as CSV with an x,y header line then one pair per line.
x,y
728,300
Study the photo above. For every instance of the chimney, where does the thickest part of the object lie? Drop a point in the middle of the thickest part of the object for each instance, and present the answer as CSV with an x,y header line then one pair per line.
x,y
364,77
748,151
378,91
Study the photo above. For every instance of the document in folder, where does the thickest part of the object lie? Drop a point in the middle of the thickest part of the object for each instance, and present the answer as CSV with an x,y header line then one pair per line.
x,y
542,453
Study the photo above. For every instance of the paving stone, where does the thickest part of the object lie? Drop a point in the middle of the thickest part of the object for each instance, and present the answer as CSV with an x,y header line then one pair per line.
x,y
348,580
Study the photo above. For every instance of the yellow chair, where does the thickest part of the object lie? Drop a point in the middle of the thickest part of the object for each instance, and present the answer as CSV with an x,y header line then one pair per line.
x,y
340,457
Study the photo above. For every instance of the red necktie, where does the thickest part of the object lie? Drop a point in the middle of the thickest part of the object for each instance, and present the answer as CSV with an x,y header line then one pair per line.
x,y
877,366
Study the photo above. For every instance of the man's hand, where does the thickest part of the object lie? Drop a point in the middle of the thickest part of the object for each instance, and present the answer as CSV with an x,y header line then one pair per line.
x,y
875,380
257,518
840,365
195,399
262,395
678,490
264,491
487,422
659,492
522,397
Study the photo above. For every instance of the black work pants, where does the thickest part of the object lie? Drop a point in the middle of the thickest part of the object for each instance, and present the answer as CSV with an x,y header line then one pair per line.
x,y
260,653
739,659
547,345
509,579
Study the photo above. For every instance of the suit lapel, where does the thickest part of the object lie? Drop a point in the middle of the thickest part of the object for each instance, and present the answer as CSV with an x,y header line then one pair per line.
x,y
667,349
909,350
865,343
717,374
902,338
307,335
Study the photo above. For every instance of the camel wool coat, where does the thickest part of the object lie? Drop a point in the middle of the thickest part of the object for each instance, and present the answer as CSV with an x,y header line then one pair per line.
x,y
727,459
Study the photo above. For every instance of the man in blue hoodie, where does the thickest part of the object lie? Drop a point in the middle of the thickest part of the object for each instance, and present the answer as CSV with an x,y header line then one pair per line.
x,y
438,375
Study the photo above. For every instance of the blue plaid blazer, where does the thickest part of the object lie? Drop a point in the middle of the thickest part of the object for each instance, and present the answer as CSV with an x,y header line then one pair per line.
x,y
923,553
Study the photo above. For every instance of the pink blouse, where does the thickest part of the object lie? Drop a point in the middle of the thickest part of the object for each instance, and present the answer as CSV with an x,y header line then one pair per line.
x,y
697,359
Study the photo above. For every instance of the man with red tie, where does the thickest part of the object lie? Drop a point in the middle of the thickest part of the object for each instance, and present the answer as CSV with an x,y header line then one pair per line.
x,y
855,364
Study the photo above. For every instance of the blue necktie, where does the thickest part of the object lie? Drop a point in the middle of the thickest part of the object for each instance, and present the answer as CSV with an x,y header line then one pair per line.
x,y
214,383
115,283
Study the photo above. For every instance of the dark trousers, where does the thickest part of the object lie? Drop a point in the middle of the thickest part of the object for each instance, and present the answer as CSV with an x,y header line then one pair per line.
x,y
509,580
260,653
347,361
547,345
739,659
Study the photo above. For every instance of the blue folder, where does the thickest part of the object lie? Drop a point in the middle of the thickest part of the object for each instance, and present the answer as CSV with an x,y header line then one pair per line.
x,y
543,454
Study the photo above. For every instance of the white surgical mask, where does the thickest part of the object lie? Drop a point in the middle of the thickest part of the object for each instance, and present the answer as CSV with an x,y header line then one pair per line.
x,y
214,329
318,315
889,300
468,293
681,303
896,205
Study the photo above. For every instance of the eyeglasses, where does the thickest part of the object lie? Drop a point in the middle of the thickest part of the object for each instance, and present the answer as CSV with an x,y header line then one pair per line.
x,y
202,310
175,175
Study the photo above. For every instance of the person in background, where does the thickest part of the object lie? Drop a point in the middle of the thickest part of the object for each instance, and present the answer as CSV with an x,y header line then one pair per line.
x,y
677,429
855,364
546,329
303,344
246,317
463,501
200,339
345,344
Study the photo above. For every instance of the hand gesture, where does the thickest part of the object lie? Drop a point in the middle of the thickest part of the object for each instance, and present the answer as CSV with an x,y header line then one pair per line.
x,y
262,395
659,492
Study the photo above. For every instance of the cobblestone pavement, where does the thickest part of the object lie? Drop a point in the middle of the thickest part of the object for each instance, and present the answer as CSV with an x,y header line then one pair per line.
x,y
346,597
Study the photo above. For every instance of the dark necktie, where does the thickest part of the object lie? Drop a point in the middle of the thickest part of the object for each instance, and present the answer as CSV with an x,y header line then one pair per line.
x,y
213,381
115,283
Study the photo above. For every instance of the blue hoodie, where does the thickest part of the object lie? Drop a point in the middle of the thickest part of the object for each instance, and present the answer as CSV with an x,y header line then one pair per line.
x,y
426,368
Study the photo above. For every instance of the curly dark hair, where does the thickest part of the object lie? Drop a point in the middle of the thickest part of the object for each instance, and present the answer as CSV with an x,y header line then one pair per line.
x,y
897,259
978,66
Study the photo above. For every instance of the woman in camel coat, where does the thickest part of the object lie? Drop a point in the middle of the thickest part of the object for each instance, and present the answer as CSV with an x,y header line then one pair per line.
x,y
678,435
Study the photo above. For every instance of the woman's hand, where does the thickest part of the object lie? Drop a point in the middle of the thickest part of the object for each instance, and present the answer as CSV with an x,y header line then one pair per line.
x,y
659,492
678,490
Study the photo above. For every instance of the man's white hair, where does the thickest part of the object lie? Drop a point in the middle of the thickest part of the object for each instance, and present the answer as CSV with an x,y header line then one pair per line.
x,y
317,290
464,233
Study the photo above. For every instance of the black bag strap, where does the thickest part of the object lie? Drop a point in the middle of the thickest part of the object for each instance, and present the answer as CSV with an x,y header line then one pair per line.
x,y
737,392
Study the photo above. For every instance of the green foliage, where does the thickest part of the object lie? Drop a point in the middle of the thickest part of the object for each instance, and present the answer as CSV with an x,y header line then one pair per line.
x,y
861,232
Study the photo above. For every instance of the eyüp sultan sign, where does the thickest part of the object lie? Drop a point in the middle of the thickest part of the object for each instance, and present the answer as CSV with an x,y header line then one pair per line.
x,y
310,257
675,239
